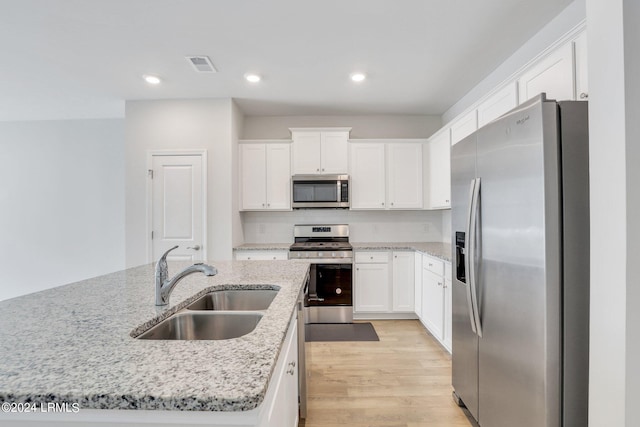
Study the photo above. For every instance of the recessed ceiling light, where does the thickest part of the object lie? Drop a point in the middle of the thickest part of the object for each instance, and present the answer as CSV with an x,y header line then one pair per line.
x,y
253,78
152,80
358,77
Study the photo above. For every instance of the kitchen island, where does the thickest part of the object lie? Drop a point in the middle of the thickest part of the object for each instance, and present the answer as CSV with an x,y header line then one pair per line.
x,y
75,344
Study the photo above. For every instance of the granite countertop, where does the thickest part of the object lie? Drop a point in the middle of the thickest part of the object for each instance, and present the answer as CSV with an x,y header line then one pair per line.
x,y
73,343
435,249
263,247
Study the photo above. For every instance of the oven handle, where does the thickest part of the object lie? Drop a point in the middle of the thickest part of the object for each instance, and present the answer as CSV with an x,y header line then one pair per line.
x,y
327,260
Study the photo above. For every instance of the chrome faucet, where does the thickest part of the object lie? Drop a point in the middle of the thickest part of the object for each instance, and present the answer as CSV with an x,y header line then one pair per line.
x,y
164,285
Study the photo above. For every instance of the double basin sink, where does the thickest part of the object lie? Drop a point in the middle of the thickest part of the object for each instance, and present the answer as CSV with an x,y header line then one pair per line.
x,y
217,315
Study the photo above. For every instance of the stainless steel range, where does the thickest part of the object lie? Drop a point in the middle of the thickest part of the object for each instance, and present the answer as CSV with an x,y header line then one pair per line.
x,y
329,298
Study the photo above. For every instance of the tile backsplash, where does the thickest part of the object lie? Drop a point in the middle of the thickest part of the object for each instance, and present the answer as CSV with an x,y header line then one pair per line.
x,y
364,226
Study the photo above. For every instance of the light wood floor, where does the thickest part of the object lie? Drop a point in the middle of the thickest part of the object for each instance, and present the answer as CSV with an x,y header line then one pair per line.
x,y
403,380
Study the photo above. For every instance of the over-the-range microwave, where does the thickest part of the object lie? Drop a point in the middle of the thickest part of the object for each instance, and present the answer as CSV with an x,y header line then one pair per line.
x,y
320,191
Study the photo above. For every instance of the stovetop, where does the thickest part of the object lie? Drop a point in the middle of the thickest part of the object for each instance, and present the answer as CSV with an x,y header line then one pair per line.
x,y
320,246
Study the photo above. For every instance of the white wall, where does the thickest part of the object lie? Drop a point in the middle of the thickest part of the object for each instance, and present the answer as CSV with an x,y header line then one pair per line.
x,y
373,126
573,15
182,124
364,226
614,108
62,198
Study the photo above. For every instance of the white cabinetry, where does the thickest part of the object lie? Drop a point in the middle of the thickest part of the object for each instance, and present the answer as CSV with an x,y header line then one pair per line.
x,y
435,311
464,126
448,319
266,255
582,82
265,176
386,175
367,176
437,175
497,104
384,284
371,285
553,75
320,151
403,282
283,409
404,168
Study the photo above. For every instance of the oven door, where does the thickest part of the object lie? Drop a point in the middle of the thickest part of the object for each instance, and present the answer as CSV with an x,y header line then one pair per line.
x,y
330,285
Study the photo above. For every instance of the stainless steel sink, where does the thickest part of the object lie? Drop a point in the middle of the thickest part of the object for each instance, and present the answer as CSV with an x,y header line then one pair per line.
x,y
209,325
245,299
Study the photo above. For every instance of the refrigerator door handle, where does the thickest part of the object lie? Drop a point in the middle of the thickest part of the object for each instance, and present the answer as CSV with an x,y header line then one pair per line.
x,y
473,224
469,253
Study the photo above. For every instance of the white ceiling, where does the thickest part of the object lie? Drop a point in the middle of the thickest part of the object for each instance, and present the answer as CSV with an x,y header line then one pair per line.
x,y
84,58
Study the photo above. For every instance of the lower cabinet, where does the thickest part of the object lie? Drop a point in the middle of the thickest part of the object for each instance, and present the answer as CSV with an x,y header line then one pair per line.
x,y
384,282
261,255
283,405
371,282
435,307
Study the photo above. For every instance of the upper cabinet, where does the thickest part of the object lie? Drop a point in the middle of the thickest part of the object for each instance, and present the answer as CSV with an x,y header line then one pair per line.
x,y
320,150
464,126
404,170
437,176
553,75
497,104
386,174
582,83
265,176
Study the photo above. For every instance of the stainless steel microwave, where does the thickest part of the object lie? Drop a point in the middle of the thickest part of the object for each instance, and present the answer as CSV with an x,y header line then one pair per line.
x,y
320,191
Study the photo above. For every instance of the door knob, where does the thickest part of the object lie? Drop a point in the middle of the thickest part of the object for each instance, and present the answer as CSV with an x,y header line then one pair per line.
x,y
195,248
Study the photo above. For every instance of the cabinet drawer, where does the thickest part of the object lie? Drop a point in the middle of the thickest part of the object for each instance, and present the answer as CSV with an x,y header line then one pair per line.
x,y
261,255
370,257
434,265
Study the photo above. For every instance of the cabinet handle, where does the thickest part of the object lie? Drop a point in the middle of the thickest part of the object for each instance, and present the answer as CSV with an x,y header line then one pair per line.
x,y
318,170
322,169
263,205
292,364
391,203
371,257
439,283
268,204
584,95
382,203
248,257
447,200
290,371
274,257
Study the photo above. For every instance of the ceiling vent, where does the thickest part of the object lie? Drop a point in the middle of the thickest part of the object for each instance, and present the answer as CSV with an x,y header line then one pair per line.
x,y
202,64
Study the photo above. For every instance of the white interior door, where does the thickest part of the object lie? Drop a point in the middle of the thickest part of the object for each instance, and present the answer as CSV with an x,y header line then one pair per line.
x,y
177,206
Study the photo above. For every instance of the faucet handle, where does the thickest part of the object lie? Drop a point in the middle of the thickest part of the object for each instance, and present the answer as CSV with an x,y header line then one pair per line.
x,y
164,255
162,270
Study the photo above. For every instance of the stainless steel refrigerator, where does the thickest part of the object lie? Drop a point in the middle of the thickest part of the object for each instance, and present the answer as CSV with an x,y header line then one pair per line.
x,y
520,232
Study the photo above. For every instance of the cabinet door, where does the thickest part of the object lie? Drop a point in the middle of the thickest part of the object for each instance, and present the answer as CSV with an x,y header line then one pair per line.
x,y
334,152
283,410
552,74
371,287
252,176
447,314
464,126
417,295
278,176
306,152
403,282
498,104
433,303
582,82
404,167
439,172
367,176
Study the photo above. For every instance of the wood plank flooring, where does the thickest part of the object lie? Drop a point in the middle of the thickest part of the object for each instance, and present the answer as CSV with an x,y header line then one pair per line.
x,y
403,380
